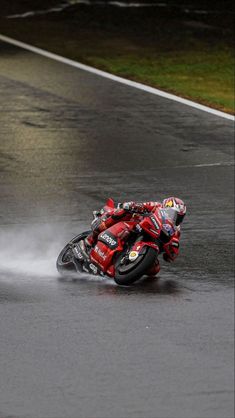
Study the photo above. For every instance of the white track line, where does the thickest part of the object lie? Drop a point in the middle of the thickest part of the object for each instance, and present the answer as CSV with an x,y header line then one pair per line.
x,y
114,77
229,163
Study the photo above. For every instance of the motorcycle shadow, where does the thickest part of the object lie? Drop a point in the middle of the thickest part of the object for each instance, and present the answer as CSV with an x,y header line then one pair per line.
x,y
146,285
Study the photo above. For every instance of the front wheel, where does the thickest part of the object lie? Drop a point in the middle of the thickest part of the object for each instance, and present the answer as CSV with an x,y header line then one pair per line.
x,y
127,274
65,264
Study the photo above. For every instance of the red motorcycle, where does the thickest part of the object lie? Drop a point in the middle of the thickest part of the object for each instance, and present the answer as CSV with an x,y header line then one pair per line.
x,y
125,252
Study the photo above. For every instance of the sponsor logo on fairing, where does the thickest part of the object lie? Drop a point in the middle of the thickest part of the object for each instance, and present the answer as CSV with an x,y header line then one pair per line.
x,y
138,228
155,223
93,268
133,255
100,253
78,253
108,239
168,229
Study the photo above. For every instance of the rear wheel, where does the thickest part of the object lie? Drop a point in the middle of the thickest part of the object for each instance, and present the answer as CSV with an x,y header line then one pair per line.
x,y
65,261
126,273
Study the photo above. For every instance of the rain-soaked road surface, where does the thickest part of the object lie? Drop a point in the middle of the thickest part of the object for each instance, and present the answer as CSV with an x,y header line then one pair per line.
x,y
88,348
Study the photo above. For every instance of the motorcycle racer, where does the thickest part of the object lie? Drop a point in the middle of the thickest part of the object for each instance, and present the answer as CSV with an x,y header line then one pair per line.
x,y
172,207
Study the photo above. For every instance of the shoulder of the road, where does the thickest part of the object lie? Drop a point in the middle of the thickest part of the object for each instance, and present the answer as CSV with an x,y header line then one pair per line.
x,y
113,77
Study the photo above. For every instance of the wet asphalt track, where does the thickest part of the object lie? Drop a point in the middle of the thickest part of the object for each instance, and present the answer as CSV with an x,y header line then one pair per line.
x,y
86,348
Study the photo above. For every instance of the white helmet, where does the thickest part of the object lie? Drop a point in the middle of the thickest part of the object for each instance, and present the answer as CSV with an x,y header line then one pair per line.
x,y
178,206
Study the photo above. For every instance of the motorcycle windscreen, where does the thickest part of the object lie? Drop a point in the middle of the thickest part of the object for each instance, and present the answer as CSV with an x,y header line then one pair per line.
x,y
169,214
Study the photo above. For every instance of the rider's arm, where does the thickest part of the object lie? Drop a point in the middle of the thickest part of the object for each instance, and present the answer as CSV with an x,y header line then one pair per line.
x,y
105,219
139,207
123,211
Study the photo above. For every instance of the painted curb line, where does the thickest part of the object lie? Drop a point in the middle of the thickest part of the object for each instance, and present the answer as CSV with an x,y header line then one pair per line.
x,y
118,79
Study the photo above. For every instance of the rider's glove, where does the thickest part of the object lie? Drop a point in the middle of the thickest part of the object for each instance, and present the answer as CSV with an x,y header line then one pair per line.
x,y
100,223
97,213
125,205
95,223
132,207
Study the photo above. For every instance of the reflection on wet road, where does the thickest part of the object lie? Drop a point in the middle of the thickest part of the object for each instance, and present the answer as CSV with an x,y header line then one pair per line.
x,y
86,347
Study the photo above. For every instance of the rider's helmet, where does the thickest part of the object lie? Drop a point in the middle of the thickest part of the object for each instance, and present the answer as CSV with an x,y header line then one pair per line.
x,y
178,206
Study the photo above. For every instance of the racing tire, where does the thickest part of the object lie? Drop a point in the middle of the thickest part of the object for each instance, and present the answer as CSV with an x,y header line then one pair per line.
x,y
65,264
137,269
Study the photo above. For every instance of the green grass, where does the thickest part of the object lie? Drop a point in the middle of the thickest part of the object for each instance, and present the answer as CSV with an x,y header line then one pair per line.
x,y
205,77
195,65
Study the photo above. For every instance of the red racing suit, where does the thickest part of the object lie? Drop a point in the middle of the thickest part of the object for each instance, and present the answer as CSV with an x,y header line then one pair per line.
x,y
124,212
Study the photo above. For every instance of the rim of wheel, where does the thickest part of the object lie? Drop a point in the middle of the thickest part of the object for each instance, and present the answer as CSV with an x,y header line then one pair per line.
x,y
123,268
67,256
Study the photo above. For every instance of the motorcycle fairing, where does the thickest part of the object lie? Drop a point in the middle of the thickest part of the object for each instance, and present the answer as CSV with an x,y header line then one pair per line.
x,y
152,224
140,246
108,239
157,225
109,242
112,241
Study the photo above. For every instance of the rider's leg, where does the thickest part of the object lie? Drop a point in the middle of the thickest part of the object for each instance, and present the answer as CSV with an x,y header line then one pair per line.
x,y
98,225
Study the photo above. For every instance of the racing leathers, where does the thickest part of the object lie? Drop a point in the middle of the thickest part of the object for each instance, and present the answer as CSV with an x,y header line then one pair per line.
x,y
124,212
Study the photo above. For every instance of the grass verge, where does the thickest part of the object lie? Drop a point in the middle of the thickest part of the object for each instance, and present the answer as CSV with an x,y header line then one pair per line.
x,y
188,58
